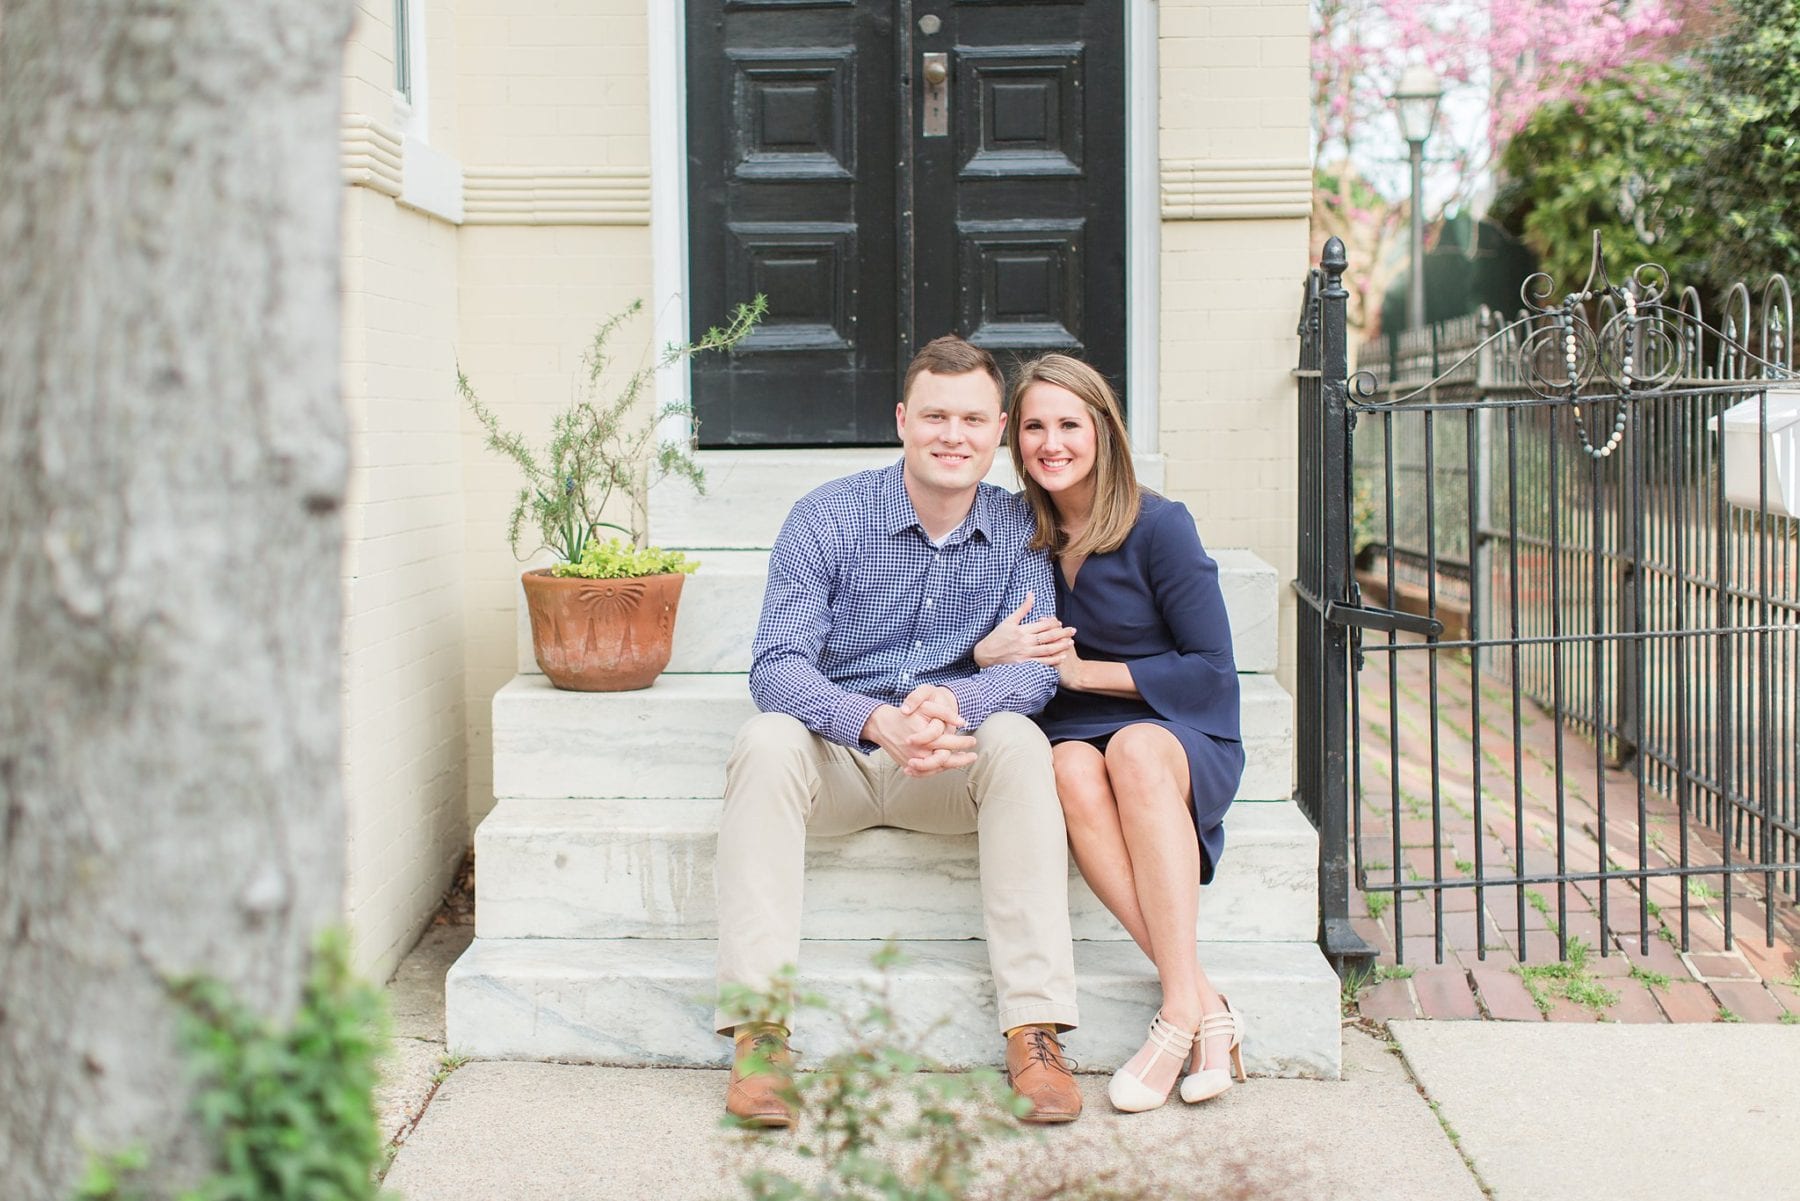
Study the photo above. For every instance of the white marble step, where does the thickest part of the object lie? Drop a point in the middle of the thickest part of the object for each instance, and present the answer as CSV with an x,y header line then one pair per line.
x,y
643,1002
644,869
749,492
720,604
671,739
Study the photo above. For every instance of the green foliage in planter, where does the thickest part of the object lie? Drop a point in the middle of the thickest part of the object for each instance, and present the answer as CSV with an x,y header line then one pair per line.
x,y
290,1113
598,445
617,559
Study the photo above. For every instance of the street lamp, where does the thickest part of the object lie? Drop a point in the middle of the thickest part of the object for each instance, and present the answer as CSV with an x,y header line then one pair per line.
x,y
1416,104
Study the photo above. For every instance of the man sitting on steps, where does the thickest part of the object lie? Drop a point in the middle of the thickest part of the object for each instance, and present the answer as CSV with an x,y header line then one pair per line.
x,y
874,714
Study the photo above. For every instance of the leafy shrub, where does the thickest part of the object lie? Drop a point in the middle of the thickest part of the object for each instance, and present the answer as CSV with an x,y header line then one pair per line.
x,y
881,1120
289,1113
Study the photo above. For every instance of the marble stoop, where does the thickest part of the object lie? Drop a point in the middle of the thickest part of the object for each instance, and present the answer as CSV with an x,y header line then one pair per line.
x,y
595,917
644,869
672,739
647,1002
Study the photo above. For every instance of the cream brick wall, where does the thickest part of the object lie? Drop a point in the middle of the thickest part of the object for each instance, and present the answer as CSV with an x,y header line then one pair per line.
x,y
546,89
546,83
1234,89
404,706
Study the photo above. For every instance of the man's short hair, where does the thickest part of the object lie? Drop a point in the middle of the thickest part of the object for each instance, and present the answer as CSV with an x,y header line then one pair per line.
x,y
950,355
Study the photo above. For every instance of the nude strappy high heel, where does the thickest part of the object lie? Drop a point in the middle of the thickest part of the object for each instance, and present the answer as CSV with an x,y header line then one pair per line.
x,y
1209,1082
1128,1092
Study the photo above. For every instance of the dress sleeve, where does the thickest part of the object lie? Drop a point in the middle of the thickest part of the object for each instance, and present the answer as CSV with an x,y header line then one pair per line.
x,y
1196,682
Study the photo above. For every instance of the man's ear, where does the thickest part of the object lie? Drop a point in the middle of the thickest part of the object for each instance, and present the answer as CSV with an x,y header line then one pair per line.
x,y
900,420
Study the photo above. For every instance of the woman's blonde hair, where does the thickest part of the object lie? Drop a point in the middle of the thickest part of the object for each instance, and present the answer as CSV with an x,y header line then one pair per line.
x,y
1115,479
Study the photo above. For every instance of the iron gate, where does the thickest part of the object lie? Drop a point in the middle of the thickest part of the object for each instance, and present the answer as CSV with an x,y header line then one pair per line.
x,y
1549,646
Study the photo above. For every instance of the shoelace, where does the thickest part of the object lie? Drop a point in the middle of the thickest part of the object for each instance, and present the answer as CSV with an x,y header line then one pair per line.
x,y
1046,1050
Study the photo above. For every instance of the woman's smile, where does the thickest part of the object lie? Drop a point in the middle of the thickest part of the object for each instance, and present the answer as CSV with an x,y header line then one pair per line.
x,y
1056,437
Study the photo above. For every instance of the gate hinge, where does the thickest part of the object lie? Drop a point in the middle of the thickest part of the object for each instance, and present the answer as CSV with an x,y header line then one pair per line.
x,y
1386,620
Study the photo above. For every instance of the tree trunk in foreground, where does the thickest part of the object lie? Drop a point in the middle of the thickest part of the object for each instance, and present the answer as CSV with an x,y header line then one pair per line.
x,y
172,467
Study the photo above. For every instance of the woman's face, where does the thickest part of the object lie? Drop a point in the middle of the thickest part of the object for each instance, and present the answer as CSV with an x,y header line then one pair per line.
x,y
1056,437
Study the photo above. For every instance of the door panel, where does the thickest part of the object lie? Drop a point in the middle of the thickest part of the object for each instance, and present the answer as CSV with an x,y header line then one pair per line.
x,y
1020,233
814,178
788,105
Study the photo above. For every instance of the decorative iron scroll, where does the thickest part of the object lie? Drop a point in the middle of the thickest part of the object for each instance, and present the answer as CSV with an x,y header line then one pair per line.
x,y
1607,343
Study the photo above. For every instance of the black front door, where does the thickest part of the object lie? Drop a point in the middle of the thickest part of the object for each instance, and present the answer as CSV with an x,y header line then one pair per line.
x,y
886,171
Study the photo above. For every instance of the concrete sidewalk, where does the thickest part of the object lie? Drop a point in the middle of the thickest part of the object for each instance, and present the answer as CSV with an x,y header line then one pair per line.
x,y
1542,1112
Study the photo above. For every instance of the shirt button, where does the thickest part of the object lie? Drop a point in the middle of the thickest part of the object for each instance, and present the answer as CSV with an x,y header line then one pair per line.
x,y
917,645
928,602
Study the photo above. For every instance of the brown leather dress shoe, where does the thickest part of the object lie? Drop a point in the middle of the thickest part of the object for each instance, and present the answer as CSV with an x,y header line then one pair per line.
x,y
754,1095
1037,1072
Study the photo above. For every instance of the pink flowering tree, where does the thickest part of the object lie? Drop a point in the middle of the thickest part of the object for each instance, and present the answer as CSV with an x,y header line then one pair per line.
x,y
1500,60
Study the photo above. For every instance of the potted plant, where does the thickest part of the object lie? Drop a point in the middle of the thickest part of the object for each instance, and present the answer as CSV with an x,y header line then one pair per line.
x,y
602,616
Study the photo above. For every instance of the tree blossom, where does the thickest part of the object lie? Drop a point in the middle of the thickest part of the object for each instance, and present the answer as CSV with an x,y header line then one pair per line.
x,y
1500,60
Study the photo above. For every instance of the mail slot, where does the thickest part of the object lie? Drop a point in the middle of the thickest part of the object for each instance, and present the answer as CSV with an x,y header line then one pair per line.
x,y
1744,434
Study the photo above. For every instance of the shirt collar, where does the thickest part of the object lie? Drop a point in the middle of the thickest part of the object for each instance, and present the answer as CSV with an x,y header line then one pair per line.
x,y
897,514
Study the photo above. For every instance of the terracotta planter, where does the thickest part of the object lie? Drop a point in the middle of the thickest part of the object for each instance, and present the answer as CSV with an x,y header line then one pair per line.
x,y
602,635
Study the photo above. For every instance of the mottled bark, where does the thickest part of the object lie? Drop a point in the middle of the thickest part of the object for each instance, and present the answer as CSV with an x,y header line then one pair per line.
x,y
172,466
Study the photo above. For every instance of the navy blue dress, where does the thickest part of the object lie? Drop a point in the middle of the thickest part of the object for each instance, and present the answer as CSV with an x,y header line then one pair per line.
x,y
1155,603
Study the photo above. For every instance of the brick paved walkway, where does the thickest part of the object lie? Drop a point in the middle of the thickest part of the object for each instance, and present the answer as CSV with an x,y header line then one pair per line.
x,y
1610,972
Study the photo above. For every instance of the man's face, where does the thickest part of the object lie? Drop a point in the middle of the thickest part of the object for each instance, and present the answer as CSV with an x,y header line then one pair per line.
x,y
949,427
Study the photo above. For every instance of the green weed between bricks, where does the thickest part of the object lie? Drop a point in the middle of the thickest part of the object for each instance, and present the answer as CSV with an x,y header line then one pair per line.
x,y
882,1120
290,1113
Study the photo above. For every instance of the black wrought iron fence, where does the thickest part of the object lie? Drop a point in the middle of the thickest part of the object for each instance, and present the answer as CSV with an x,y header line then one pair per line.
x,y
1542,539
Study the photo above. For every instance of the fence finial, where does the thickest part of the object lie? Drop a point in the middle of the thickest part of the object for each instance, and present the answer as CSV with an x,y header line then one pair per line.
x,y
1334,260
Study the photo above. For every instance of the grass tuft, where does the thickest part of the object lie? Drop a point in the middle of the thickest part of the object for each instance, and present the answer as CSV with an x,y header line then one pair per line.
x,y
1701,889
1570,979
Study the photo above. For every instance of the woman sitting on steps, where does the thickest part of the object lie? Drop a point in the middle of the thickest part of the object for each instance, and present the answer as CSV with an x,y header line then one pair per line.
x,y
1144,724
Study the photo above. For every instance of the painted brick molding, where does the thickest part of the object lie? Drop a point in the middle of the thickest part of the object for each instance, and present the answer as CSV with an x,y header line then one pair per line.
x,y
372,155
535,196
1226,189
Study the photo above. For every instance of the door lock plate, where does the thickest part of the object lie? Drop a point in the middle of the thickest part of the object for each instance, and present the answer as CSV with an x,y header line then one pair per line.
x,y
936,74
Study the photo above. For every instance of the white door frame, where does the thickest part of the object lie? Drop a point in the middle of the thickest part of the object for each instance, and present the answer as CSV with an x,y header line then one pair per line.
x,y
1143,211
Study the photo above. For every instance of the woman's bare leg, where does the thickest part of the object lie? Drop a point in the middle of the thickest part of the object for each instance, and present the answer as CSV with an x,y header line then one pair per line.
x,y
1148,771
1092,817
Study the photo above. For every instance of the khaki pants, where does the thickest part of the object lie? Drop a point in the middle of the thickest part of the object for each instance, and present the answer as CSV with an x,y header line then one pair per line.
x,y
783,781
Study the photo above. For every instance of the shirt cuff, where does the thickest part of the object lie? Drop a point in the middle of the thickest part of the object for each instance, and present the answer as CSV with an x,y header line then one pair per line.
x,y
971,701
849,717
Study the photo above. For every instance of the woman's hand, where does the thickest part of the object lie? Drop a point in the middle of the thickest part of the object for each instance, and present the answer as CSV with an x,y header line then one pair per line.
x,y
1069,671
1100,676
1015,640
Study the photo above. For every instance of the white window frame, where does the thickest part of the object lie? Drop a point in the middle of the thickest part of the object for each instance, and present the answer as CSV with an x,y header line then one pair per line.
x,y
411,106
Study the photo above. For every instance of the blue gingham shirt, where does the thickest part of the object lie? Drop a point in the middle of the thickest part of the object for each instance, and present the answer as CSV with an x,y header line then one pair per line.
x,y
861,608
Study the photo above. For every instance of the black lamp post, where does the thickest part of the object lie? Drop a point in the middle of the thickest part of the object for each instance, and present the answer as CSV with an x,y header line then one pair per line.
x,y
1416,105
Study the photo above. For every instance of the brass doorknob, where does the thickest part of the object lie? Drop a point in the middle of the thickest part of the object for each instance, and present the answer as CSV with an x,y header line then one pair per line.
x,y
936,72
